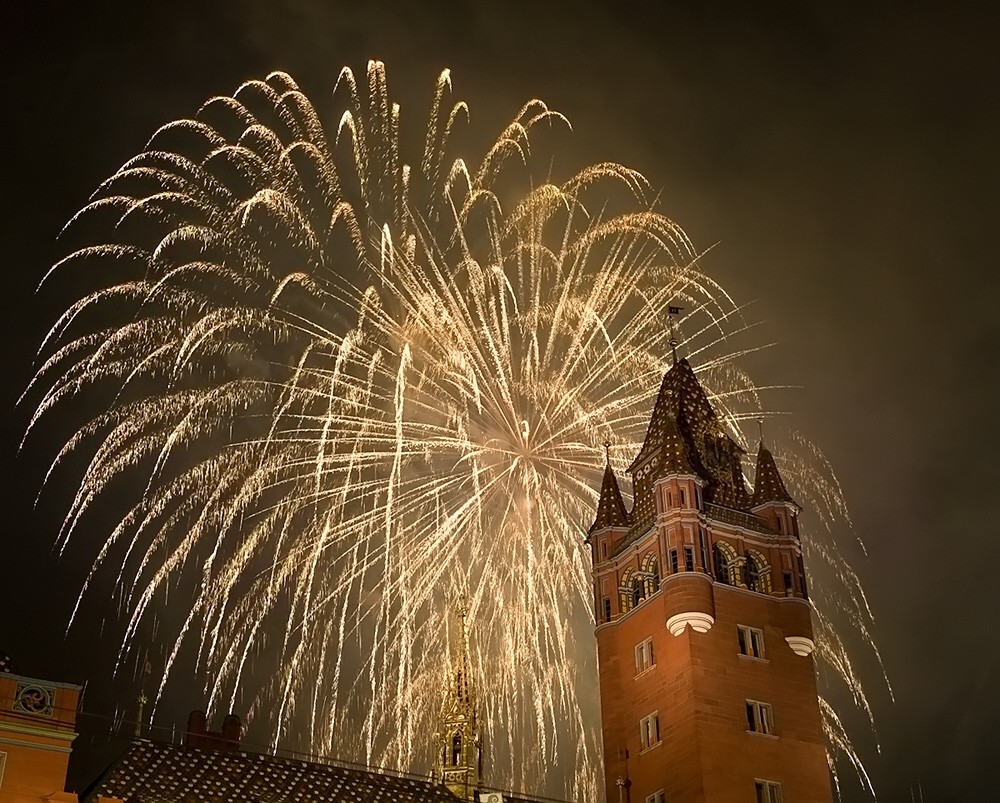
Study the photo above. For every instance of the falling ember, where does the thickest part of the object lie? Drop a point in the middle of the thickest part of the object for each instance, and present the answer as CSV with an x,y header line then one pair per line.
x,y
355,386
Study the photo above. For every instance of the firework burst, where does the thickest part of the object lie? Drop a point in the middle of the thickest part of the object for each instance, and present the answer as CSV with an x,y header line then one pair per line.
x,y
355,387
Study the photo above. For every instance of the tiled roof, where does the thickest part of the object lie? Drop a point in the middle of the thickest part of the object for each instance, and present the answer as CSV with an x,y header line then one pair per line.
x,y
162,772
674,454
611,510
767,483
683,408
6,664
167,773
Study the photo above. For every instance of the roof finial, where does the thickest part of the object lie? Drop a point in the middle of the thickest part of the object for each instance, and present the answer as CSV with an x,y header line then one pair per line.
x,y
760,428
671,312
607,452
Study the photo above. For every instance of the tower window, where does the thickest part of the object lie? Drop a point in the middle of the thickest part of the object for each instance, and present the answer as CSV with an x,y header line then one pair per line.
x,y
649,730
684,499
751,641
703,548
456,749
758,573
768,791
604,549
606,608
759,717
659,796
689,558
726,566
644,656
787,577
673,561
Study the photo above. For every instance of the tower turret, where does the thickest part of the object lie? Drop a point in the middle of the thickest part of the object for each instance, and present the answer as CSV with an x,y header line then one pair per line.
x,y
708,690
458,762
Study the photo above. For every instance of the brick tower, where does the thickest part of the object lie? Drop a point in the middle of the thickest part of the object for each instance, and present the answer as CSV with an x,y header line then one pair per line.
x,y
704,638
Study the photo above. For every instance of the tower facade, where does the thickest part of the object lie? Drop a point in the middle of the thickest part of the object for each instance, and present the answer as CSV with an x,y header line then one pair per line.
x,y
704,636
457,740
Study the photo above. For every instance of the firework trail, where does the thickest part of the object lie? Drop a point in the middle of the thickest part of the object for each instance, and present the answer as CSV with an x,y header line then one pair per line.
x,y
355,386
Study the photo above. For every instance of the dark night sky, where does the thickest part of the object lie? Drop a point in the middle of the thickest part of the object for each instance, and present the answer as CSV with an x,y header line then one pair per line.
x,y
846,164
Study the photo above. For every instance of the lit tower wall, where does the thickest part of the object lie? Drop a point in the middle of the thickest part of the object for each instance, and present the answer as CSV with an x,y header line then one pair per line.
x,y
704,636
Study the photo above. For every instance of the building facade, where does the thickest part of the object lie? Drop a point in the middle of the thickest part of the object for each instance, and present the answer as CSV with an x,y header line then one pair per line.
x,y
704,635
37,729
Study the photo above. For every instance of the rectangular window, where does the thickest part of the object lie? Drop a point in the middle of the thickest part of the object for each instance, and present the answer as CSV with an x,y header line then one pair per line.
x,y
689,558
703,547
659,796
768,791
789,585
751,641
759,717
649,730
644,656
781,523
670,499
684,499
673,561
604,549
697,496
606,607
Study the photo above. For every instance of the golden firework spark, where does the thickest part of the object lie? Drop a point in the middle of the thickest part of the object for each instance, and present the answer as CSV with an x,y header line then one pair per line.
x,y
352,387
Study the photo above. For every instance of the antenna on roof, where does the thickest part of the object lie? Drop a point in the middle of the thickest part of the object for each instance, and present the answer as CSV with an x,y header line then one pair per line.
x,y
671,312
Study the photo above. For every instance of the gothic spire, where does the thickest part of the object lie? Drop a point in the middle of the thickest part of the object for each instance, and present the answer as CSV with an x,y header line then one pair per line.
x,y
767,484
458,748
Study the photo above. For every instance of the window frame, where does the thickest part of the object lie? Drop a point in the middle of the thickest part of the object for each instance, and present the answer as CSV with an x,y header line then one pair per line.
x,y
606,609
767,791
649,726
659,796
645,649
751,642
760,718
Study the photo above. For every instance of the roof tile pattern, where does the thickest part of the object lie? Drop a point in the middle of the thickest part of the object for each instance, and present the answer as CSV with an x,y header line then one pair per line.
x,y
163,772
683,409
611,510
6,664
767,484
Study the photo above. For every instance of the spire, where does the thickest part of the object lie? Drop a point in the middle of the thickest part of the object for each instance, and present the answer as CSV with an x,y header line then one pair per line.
x,y
457,739
768,485
611,510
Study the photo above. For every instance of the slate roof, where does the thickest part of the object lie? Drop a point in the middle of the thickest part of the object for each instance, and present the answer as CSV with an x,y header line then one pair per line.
x,y
767,483
685,431
167,773
611,510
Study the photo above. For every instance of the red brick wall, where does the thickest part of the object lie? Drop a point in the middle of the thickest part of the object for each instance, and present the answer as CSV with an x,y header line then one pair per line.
x,y
699,685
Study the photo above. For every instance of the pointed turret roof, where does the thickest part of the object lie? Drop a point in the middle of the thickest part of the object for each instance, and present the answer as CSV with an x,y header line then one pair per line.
x,y
611,510
768,485
674,453
681,397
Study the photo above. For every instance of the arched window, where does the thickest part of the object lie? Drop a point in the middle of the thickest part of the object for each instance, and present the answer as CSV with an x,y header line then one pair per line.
x,y
456,749
725,563
758,572
627,597
651,574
